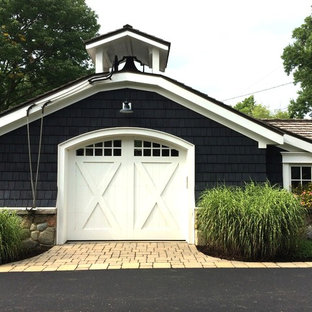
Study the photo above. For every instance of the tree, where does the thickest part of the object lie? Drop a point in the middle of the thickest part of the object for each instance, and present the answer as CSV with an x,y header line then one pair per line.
x,y
246,106
249,107
41,46
279,114
297,59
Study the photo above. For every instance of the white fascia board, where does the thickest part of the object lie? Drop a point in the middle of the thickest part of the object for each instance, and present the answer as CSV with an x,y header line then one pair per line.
x,y
291,140
124,34
58,100
157,84
289,148
200,105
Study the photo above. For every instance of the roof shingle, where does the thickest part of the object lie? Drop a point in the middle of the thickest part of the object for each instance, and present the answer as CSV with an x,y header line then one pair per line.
x,y
301,127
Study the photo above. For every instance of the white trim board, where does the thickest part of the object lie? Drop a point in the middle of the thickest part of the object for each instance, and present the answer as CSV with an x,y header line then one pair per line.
x,y
129,34
159,84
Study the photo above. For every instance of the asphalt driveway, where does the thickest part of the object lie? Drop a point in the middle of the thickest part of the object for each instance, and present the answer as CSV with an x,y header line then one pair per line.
x,y
158,290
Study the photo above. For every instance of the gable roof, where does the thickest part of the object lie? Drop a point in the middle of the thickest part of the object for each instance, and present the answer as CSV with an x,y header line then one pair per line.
x,y
128,28
261,131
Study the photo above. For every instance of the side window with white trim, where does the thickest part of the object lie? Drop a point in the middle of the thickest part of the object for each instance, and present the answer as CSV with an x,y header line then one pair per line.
x,y
300,175
152,149
107,148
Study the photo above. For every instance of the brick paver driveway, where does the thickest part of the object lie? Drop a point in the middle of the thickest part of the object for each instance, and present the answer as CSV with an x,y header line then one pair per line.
x,y
128,255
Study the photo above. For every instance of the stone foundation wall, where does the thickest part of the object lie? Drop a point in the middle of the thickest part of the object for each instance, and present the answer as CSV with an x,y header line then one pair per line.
x,y
38,228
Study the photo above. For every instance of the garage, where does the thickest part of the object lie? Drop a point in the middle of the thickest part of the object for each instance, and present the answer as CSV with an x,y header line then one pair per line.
x,y
127,187
117,155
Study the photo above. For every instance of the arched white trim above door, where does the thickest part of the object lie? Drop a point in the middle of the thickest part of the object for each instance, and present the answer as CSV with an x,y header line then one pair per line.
x,y
65,148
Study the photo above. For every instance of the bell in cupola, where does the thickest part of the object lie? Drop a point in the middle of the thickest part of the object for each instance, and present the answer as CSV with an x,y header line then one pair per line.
x,y
131,45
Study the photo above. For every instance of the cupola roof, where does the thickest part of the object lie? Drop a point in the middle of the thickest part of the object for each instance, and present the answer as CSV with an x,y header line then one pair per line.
x,y
127,41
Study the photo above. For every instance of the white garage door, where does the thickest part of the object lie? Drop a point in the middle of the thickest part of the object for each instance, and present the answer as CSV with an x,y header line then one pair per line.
x,y
127,188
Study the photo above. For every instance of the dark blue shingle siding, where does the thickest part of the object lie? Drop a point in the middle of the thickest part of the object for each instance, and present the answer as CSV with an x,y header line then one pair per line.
x,y
222,155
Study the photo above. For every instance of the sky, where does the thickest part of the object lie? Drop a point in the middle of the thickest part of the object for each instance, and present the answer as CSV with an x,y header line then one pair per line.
x,y
226,49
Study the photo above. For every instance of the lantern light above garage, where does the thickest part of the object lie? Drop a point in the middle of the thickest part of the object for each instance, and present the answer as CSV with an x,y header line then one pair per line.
x,y
126,107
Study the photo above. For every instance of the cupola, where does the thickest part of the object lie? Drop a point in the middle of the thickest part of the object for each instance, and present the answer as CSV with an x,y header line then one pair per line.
x,y
128,42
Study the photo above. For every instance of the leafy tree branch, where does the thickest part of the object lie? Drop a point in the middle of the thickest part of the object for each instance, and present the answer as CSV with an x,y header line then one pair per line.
x,y
41,46
249,107
297,60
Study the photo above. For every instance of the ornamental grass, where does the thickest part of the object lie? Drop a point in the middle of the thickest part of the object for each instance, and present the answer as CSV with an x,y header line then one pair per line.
x,y
10,236
254,222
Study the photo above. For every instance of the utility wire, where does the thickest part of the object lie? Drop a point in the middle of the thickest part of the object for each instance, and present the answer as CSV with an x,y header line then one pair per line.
x,y
251,93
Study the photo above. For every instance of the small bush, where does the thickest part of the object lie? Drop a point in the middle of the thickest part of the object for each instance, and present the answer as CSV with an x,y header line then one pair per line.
x,y
304,250
304,194
10,236
254,222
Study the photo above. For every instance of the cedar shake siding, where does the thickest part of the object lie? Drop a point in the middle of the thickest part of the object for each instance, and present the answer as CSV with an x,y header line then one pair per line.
x,y
274,165
221,154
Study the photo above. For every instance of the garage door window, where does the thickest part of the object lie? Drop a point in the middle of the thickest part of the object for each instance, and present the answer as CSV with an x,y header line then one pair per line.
x,y
147,148
107,148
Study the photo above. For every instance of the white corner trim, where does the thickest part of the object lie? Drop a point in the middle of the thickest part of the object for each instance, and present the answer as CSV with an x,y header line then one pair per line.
x,y
87,138
286,176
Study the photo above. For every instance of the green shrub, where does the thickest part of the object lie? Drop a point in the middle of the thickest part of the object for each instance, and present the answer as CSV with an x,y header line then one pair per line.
x,y
10,236
257,221
304,250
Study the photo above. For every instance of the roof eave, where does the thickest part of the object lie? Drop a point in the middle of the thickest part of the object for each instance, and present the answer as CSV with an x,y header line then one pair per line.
x,y
168,87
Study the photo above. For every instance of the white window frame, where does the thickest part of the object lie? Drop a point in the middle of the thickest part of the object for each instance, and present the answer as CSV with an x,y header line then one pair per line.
x,y
293,159
301,180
